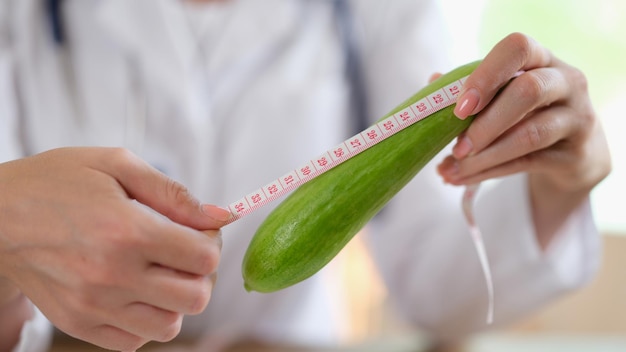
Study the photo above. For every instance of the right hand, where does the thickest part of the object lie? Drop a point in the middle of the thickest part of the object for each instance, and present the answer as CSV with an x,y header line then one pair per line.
x,y
112,251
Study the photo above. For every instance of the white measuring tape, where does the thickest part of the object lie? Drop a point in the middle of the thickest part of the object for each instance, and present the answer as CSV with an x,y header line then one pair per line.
x,y
354,145
358,143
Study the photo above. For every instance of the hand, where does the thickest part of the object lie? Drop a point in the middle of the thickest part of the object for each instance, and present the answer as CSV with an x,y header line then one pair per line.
x,y
542,122
108,248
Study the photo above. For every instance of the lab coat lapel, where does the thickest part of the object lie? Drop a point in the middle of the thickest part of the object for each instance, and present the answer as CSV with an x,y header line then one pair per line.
x,y
258,32
256,26
150,30
146,35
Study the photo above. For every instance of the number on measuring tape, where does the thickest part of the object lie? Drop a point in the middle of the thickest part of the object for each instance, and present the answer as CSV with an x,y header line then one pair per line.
x,y
421,106
272,188
356,143
305,171
339,152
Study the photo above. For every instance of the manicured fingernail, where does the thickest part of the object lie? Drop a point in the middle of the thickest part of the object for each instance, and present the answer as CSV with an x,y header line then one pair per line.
x,y
466,104
462,148
215,212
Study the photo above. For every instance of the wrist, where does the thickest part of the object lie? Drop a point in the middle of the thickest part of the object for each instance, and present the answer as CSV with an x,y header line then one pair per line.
x,y
8,292
552,205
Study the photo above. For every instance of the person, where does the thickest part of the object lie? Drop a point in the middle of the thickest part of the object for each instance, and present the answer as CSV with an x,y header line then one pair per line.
x,y
103,124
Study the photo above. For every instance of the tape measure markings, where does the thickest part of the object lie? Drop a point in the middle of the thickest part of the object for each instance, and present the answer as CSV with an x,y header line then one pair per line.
x,y
347,149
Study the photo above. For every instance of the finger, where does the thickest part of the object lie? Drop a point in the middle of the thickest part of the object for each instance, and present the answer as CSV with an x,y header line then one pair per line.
x,y
154,189
434,77
176,291
518,149
530,91
146,321
530,163
112,338
183,249
216,236
516,52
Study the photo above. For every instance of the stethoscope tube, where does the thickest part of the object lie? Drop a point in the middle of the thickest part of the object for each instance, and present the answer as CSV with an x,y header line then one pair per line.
x,y
55,20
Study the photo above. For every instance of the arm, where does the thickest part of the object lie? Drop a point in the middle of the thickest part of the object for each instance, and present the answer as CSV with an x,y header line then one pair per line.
x,y
77,239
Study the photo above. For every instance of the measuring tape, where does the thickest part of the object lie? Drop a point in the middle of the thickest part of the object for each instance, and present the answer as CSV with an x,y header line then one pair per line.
x,y
352,146
360,142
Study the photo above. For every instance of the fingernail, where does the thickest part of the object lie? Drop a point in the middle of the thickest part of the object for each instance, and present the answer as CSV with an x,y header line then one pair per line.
x,y
462,148
449,167
467,103
215,212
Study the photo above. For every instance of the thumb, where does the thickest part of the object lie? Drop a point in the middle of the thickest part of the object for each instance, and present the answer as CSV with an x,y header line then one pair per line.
x,y
151,187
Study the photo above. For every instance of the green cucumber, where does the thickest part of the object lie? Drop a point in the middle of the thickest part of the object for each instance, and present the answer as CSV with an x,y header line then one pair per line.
x,y
313,224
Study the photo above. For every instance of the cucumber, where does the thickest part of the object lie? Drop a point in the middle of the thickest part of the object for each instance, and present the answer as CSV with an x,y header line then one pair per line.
x,y
313,224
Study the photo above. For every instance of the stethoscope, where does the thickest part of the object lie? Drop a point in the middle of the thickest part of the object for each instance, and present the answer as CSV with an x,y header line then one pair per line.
x,y
55,20
347,37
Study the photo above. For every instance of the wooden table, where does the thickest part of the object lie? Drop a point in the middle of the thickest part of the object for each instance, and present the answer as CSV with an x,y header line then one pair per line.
x,y
388,344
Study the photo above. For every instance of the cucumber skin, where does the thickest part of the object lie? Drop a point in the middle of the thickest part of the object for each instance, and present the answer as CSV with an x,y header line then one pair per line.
x,y
311,226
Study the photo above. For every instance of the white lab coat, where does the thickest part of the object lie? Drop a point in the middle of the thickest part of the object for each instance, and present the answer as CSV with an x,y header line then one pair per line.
x,y
274,94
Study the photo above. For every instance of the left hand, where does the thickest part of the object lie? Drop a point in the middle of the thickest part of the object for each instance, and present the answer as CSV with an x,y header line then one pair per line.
x,y
542,122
